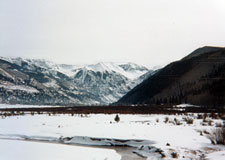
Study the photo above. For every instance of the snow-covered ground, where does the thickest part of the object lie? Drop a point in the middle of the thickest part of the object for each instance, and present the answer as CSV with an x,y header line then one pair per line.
x,y
23,150
12,87
152,136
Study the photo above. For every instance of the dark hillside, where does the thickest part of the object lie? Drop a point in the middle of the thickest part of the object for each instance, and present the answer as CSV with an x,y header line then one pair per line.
x,y
199,79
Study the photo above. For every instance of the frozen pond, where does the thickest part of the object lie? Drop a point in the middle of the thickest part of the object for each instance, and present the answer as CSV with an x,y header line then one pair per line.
x,y
24,150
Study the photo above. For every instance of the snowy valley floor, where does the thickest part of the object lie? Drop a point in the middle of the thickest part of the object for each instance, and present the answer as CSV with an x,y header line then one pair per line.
x,y
91,137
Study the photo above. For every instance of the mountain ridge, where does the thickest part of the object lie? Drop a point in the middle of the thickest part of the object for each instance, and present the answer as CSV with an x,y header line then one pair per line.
x,y
198,79
28,81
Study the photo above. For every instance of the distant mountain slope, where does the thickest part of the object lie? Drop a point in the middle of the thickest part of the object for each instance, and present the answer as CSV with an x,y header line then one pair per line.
x,y
199,78
29,81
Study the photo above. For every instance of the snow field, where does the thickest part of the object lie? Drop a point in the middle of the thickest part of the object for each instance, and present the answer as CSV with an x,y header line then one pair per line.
x,y
20,150
170,137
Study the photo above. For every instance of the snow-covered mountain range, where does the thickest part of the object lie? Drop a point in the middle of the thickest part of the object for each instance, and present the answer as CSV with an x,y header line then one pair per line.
x,y
35,81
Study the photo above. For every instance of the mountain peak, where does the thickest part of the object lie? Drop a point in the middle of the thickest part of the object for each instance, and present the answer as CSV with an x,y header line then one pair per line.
x,y
101,67
129,70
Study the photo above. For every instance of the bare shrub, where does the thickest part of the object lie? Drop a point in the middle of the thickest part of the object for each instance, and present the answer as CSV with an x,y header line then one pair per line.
x,y
177,122
219,124
206,132
117,118
201,133
205,115
191,114
166,119
189,120
84,115
217,136
163,155
214,115
200,116
211,123
222,116
174,154
171,122
205,120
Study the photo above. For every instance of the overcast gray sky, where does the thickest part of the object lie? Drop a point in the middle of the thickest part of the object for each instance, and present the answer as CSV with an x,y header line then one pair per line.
x,y
148,32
